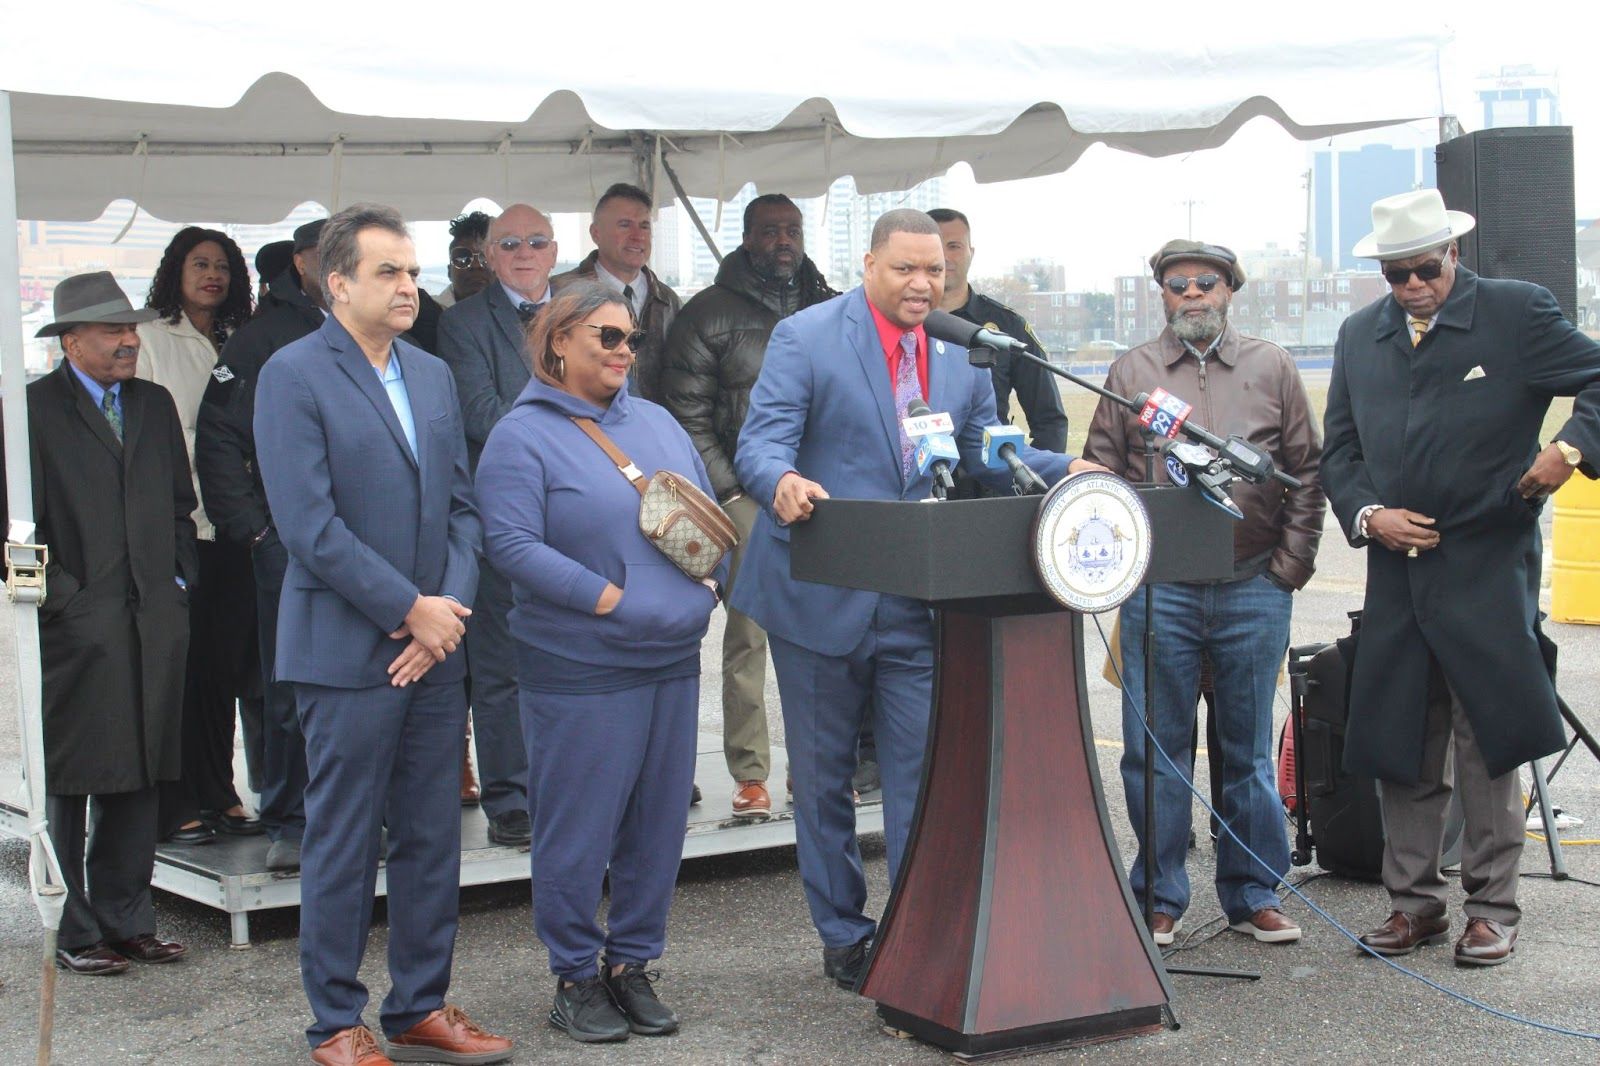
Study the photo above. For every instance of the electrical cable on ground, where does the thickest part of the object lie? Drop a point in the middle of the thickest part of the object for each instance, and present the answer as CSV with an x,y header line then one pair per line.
x,y
1151,742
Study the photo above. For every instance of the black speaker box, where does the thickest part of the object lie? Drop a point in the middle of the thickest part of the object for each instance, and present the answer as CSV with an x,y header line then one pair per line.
x,y
1518,182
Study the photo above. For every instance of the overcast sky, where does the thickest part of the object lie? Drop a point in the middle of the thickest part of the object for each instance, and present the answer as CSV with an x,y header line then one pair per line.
x,y
1107,214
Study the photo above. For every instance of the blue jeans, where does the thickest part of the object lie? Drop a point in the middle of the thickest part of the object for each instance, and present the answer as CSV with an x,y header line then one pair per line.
x,y
1243,629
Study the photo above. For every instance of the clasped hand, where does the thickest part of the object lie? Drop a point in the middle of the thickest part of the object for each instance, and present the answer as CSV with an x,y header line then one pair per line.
x,y
435,625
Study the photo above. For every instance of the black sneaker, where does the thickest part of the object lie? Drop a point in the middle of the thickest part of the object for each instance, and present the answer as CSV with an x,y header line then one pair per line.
x,y
510,829
585,1012
847,965
695,797
632,992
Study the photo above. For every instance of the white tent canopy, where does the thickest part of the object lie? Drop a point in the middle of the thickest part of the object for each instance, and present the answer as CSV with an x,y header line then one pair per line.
x,y
241,116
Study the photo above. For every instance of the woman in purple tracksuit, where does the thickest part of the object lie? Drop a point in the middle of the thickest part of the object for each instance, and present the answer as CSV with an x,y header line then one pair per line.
x,y
609,635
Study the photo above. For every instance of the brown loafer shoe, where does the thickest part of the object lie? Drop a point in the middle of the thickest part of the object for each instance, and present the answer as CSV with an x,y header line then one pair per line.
x,y
750,800
355,1046
448,1035
1403,932
1268,925
96,960
1485,942
147,947
1164,929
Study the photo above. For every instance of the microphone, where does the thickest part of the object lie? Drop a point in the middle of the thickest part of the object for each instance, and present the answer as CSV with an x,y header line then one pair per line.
x,y
943,326
1000,450
1193,464
936,448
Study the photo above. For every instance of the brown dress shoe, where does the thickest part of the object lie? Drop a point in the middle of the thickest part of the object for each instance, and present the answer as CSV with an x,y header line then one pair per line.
x,y
750,800
1268,925
1485,943
355,1046
96,960
470,792
147,947
448,1035
1404,933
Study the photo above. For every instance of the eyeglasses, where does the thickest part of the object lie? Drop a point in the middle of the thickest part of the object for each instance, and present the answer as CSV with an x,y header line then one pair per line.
x,y
611,336
538,243
1428,271
465,259
1180,284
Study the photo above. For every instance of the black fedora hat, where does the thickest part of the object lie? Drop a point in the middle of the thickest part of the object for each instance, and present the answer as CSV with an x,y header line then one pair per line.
x,y
90,299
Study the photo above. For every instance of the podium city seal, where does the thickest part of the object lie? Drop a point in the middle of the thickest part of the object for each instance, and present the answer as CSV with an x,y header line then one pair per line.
x,y
1091,542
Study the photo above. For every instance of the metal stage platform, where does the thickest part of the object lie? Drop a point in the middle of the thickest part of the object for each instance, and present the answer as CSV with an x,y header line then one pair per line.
x,y
231,874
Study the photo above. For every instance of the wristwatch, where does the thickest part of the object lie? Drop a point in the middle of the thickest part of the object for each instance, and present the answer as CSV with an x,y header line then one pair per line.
x,y
1572,455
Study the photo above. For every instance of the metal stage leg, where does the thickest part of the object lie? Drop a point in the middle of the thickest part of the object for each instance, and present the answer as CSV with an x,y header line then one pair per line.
x,y
239,930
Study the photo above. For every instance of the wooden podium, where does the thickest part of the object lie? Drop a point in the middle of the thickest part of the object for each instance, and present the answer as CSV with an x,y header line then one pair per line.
x,y
1011,926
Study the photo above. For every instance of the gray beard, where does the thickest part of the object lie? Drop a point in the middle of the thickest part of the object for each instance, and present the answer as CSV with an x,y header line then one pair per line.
x,y
1197,329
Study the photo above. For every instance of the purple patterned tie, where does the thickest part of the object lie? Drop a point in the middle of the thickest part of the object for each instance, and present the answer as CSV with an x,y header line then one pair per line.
x,y
906,389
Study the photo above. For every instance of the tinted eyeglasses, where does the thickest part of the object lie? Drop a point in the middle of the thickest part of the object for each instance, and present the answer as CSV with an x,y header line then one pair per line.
x,y
465,260
1180,284
1428,271
538,243
611,336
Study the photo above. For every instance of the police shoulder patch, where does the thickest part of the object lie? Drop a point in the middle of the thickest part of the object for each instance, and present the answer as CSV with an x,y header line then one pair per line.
x,y
222,374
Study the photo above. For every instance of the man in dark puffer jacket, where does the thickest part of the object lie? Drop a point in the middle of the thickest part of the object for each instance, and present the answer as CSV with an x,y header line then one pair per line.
x,y
713,357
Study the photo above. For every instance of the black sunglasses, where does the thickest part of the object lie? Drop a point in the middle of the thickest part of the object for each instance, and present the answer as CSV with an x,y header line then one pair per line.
x,y
1180,284
611,336
464,259
538,242
1428,271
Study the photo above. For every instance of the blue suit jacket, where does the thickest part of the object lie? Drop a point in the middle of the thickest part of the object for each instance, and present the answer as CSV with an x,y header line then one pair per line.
x,y
824,408
368,527
483,341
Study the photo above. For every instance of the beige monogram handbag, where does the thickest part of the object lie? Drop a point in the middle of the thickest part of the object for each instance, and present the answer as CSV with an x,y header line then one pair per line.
x,y
683,522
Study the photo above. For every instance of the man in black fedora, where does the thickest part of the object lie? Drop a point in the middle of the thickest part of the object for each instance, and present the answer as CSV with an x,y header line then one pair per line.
x,y
1433,463
112,499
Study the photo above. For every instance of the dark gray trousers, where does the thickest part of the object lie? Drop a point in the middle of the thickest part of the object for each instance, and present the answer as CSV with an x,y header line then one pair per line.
x,y
106,846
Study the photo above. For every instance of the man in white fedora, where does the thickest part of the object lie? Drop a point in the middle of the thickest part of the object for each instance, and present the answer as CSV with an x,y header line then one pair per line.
x,y
1432,461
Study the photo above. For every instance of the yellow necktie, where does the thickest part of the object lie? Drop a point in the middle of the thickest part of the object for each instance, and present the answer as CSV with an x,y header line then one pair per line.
x,y
1419,326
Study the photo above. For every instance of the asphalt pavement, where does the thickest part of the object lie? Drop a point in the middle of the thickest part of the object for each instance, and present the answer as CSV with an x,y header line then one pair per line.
x,y
743,967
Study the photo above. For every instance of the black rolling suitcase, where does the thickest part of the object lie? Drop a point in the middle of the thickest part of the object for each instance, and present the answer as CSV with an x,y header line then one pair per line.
x,y
1345,820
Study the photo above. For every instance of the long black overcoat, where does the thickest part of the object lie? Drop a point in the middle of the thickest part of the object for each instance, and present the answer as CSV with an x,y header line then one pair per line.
x,y
1447,429
114,626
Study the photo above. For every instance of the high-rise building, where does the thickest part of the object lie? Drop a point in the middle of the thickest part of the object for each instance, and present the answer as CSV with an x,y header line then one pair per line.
x,y
1519,96
1345,180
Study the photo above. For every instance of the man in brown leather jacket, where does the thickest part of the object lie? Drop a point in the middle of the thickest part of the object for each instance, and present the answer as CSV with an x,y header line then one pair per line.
x,y
1249,387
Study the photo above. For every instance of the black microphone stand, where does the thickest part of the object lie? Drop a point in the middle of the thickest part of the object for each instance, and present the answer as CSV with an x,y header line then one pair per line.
x,y
985,357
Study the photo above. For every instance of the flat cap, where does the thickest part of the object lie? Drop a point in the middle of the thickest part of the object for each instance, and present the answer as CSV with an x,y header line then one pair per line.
x,y
1222,258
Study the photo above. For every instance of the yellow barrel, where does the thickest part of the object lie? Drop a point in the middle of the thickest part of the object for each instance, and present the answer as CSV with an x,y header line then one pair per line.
x,y
1575,551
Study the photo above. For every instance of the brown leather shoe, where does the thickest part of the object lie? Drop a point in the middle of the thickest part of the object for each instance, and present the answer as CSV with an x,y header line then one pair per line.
x,y
1485,943
448,1035
96,960
1403,932
355,1046
750,800
147,947
1268,925
470,792
1164,928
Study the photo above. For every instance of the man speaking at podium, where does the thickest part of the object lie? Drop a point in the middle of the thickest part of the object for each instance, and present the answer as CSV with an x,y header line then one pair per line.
x,y
826,417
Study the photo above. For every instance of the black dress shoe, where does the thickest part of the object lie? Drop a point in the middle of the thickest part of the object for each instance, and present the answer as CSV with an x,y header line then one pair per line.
x,y
96,960
695,797
631,991
847,965
586,1012
193,834
239,825
510,829
284,855
147,947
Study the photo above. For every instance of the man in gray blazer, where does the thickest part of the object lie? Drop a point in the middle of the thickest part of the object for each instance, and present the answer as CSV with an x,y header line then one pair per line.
x,y
483,339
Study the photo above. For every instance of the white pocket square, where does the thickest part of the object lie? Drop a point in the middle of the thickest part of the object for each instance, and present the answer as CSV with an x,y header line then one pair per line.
x,y
1474,374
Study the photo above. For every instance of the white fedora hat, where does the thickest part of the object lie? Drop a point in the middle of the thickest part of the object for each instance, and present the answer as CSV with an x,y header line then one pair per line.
x,y
1410,223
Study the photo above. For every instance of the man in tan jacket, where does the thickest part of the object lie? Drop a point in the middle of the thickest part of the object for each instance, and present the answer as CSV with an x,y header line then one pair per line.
x,y
1248,387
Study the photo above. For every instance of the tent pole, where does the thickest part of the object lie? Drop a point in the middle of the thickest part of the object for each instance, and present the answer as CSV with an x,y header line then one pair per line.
x,y
24,583
694,216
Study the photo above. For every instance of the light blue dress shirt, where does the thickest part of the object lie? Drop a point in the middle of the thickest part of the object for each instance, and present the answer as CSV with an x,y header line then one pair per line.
x,y
394,383
98,391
